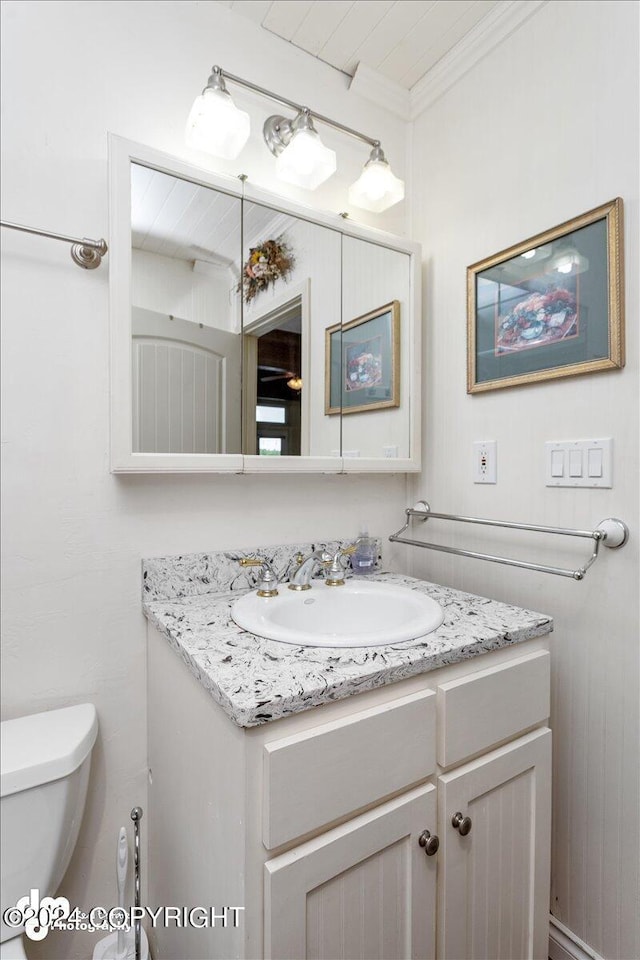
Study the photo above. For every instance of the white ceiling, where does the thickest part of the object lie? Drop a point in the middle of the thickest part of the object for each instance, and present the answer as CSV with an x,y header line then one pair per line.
x,y
401,39
184,220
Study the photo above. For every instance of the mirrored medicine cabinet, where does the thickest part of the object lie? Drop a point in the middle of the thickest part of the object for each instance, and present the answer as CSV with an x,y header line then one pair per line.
x,y
250,334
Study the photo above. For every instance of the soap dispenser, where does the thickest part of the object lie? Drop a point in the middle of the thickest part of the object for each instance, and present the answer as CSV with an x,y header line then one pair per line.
x,y
365,557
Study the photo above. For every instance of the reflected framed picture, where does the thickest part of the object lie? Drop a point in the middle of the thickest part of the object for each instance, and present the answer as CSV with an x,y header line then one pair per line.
x,y
362,362
551,306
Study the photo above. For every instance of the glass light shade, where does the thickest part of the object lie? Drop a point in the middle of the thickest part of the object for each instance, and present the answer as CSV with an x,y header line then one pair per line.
x,y
377,188
216,125
571,262
306,162
537,253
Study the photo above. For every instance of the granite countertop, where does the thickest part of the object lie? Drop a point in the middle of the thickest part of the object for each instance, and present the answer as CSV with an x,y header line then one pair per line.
x,y
255,680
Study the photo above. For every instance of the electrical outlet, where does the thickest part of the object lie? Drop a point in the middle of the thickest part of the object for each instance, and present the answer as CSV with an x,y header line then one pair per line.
x,y
485,456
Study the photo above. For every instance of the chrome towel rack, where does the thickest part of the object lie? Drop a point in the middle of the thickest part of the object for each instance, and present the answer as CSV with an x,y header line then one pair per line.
x,y
86,253
612,533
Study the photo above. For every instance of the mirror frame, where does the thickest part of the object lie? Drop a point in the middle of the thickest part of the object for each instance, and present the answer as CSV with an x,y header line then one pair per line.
x,y
122,153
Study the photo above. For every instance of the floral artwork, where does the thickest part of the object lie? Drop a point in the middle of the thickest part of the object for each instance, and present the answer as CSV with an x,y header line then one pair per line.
x,y
270,261
363,365
539,319
550,306
362,362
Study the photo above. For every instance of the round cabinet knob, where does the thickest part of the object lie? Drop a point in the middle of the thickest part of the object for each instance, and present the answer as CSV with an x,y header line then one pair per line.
x,y
462,824
429,843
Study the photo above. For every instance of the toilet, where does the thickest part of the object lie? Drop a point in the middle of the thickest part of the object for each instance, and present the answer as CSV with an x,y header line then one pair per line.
x,y
45,763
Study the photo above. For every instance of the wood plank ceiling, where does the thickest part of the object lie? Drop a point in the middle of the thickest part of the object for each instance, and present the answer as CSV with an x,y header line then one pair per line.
x,y
187,221
401,39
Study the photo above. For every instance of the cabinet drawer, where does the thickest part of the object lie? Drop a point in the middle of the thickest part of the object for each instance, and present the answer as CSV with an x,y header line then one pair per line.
x,y
477,712
315,777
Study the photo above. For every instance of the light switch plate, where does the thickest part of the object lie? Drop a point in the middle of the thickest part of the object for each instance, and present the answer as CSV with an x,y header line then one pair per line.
x,y
579,463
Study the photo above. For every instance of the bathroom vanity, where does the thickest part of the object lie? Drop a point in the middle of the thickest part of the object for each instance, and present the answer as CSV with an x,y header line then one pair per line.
x,y
366,802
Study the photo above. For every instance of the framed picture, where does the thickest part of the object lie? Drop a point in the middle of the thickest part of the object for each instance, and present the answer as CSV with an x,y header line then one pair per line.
x,y
551,306
362,370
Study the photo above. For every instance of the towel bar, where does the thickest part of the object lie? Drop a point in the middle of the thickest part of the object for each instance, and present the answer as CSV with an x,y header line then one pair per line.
x,y
86,253
610,532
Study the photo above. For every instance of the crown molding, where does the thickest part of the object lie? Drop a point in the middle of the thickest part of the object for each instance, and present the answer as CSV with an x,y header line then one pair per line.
x,y
503,20
385,93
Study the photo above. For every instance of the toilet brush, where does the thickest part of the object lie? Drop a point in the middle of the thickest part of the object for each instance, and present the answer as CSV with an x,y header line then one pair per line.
x,y
121,945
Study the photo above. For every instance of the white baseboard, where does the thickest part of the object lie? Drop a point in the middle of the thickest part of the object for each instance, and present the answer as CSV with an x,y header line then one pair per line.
x,y
565,945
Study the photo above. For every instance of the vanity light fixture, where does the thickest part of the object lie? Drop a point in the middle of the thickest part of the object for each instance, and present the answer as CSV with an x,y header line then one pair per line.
x,y
377,188
216,126
302,158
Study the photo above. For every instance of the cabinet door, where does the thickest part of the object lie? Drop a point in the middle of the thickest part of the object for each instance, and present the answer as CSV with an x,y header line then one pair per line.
x,y
494,882
365,889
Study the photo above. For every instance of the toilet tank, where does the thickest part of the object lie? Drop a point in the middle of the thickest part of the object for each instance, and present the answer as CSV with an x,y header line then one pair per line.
x,y
45,762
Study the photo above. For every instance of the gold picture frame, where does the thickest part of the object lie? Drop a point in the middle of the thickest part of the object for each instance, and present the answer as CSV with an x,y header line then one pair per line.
x,y
551,306
362,362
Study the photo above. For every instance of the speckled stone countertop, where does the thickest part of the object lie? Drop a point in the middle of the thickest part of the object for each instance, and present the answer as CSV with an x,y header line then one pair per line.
x,y
255,680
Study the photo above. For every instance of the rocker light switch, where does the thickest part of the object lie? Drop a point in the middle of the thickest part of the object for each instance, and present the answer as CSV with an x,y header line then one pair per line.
x,y
575,463
557,463
594,462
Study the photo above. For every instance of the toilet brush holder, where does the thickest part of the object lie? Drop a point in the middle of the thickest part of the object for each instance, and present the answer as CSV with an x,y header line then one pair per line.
x,y
107,948
129,944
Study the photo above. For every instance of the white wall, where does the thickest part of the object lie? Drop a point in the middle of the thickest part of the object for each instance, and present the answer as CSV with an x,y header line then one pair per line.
x,y
73,533
201,292
542,129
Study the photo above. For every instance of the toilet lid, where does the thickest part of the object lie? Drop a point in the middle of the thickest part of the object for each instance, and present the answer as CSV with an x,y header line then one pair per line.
x,y
45,746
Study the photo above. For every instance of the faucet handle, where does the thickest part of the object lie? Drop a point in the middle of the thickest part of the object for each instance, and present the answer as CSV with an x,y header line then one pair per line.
x,y
334,576
267,585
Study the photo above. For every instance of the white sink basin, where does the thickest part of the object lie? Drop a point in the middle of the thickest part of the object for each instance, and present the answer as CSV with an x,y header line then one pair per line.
x,y
358,614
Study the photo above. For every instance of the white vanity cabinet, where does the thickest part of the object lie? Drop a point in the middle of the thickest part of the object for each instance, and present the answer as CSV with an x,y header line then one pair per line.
x,y
494,880
363,889
315,824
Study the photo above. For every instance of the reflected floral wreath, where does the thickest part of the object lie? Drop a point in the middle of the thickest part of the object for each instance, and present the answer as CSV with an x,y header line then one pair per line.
x,y
268,262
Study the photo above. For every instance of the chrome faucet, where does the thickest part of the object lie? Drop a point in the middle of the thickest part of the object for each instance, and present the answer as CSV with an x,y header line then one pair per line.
x,y
300,579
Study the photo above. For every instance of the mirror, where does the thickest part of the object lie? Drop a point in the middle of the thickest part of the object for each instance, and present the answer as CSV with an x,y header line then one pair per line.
x,y
283,325
186,333
252,335
376,347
